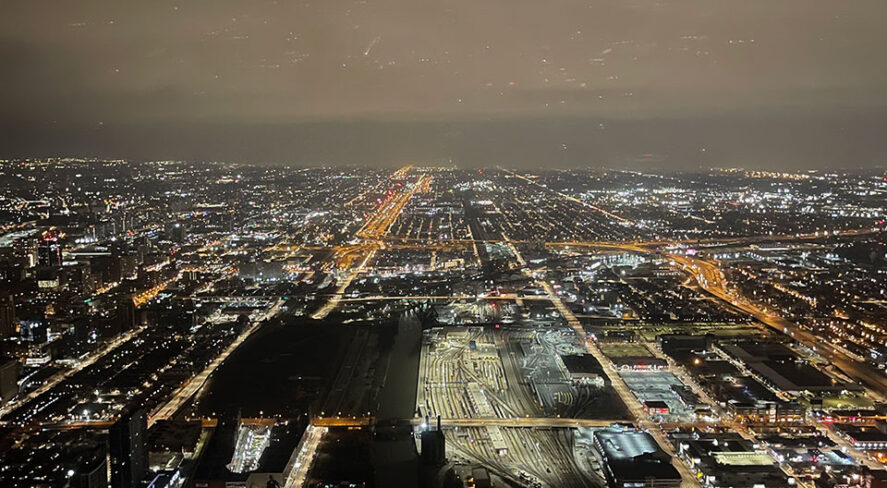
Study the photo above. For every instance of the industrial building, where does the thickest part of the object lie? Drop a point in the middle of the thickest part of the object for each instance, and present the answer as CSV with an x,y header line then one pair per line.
x,y
633,459
584,369
729,461
778,367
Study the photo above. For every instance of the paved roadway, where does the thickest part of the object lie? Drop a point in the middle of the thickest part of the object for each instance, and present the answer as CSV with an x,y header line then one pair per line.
x,y
638,246
711,279
616,381
503,296
57,378
375,228
707,274
724,417
297,469
196,384
573,199
334,300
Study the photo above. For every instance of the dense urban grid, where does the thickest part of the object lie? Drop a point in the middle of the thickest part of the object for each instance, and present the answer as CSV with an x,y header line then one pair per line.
x,y
172,324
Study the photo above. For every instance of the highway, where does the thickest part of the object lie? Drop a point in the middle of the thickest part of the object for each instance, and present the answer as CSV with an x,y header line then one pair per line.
x,y
334,300
373,230
503,296
711,279
296,471
445,377
196,384
650,245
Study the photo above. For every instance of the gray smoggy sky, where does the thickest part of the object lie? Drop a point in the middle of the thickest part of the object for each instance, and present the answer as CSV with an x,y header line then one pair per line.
x,y
668,83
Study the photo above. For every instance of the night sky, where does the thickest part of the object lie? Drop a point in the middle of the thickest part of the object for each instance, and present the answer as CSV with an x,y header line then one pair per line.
x,y
637,83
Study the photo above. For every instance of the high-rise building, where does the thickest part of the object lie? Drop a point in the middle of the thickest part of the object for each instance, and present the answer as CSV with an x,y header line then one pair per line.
x,y
49,251
126,313
25,251
92,470
127,442
433,445
7,316
178,233
9,371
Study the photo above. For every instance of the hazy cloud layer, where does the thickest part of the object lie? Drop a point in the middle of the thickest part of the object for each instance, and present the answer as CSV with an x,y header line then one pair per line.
x,y
672,83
